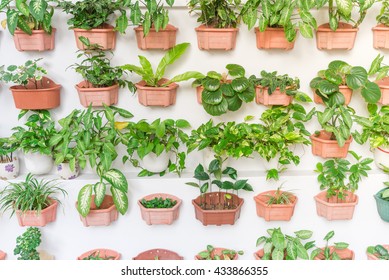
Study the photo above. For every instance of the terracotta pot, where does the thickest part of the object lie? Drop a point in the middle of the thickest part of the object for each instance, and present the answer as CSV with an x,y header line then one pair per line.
x,y
105,37
209,38
344,254
158,254
373,257
333,210
2,255
276,98
381,37
64,171
45,163
217,217
381,157
273,38
32,219
324,147
384,87
38,41
274,212
102,216
164,39
104,253
341,39
157,96
345,90
97,96
217,251
156,164
9,170
47,96
160,216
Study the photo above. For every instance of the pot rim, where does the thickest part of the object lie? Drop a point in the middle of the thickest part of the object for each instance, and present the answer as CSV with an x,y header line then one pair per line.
x,y
204,28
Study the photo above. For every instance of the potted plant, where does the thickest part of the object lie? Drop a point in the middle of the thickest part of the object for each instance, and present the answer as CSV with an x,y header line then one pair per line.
x,y
33,90
337,34
158,255
339,179
382,201
381,30
219,20
101,80
154,30
90,19
222,206
99,254
380,72
378,252
279,21
333,141
159,208
27,244
218,93
9,163
337,83
29,22
154,89
275,205
280,246
32,201
215,253
339,251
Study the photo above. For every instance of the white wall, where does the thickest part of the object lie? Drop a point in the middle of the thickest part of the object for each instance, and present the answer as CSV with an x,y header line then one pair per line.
x,y
67,238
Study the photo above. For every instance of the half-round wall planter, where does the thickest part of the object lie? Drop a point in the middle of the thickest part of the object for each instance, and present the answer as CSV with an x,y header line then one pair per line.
x,y
382,205
274,212
37,163
164,39
273,38
64,171
38,41
381,157
384,87
158,254
373,257
209,38
217,252
154,163
9,170
105,37
344,254
102,253
97,96
381,37
341,39
33,219
336,210
102,216
323,146
276,98
345,90
157,96
2,255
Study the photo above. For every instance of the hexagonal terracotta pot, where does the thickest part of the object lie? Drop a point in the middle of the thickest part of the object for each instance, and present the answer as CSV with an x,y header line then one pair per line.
x,y
215,252
164,39
104,36
38,41
384,87
332,209
158,254
103,253
381,37
373,257
274,212
209,38
157,96
344,254
345,90
102,216
273,38
97,96
160,216
341,39
2,255
276,98
32,219
323,146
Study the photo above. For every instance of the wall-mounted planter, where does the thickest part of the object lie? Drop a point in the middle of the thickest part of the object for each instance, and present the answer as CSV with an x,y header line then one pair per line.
x,y
47,96
373,257
344,254
336,210
157,96
217,217
324,147
2,255
381,157
97,96
382,205
158,254
154,163
64,171
103,253
276,98
341,39
273,38
381,37
217,252
9,170
274,212
384,87
102,216
160,216
45,256
45,163
38,41
345,90
164,39
32,219
209,38
105,37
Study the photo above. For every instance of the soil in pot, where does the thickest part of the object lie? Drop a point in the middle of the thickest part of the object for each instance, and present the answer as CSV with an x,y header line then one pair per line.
x,y
32,219
345,90
10,169
38,41
334,209
274,212
104,36
384,87
102,216
106,254
341,39
157,96
381,37
158,254
97,96
209,38
273,38
325,147
164,39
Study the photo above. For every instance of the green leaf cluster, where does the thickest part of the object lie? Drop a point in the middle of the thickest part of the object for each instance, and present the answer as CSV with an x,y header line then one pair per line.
x,y
211,254
329,252
27,73
159,203
27,244
379,251
378,69
383,16
7,149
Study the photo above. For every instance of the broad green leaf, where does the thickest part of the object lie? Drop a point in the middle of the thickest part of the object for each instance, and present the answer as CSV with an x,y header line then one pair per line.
x,y
122,23
169,58
357,77
120,199
147,25
341,245
22,7
38,8
84,200
211,84
122,112
186,76
304,234
329,235
146,65
326,87
277,254
23,25
291,251
160,131
332,76
376,64
290,32
182,123
336,98
136,14
371,92
278,240
263,23
216,110
246,96
301,251
285,16
12,20
240,84
344,7
212,97
305,30
235,70
116,179
99,189
227,90
234,103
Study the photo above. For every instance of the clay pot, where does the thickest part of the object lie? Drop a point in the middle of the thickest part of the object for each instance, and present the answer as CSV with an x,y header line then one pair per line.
x,y
217,251
384,87
341,39
276,98
164,39
45,163
2,255
105,37
157,96
47,96
274,212
381,157
345,90
32,219
9,170
344,254
273,38
209,38
158,254
373,257
64,171
97,96
102,216
381,37
259,254
160,216
217,217
103,253
331,209
38,41
324,147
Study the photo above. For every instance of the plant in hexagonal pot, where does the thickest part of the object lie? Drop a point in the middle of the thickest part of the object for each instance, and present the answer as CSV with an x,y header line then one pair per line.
x,y
99,254
378,252
154,89
216,254
382,201
339,179
9,163
158,255
218,207
381,30
339,251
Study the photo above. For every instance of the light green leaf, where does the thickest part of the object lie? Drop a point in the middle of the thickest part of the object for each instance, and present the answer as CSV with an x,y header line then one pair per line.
x,y
116,179
84,200
235,70
38,8
345,7
99,189
169,58
120,199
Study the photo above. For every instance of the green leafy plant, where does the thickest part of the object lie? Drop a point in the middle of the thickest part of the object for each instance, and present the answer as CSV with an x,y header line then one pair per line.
x,y
385,194
279,197
279,246
216,13
30,195
383,16
221,94
211,254
338,176
158,202
292,15
155,79
27,244
95,256
339,73
327,253
379,251
7,150
378,69
27,15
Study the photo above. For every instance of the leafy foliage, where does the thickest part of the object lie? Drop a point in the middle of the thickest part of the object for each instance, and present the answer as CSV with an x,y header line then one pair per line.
x,y
27,244
379,251
7,150
158,202
279,197
378,68
383,16
226,254
327,253
95,256
384,194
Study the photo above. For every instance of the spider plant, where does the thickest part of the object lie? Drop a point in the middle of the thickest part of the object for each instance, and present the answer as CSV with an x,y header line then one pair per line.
x,y
279,197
